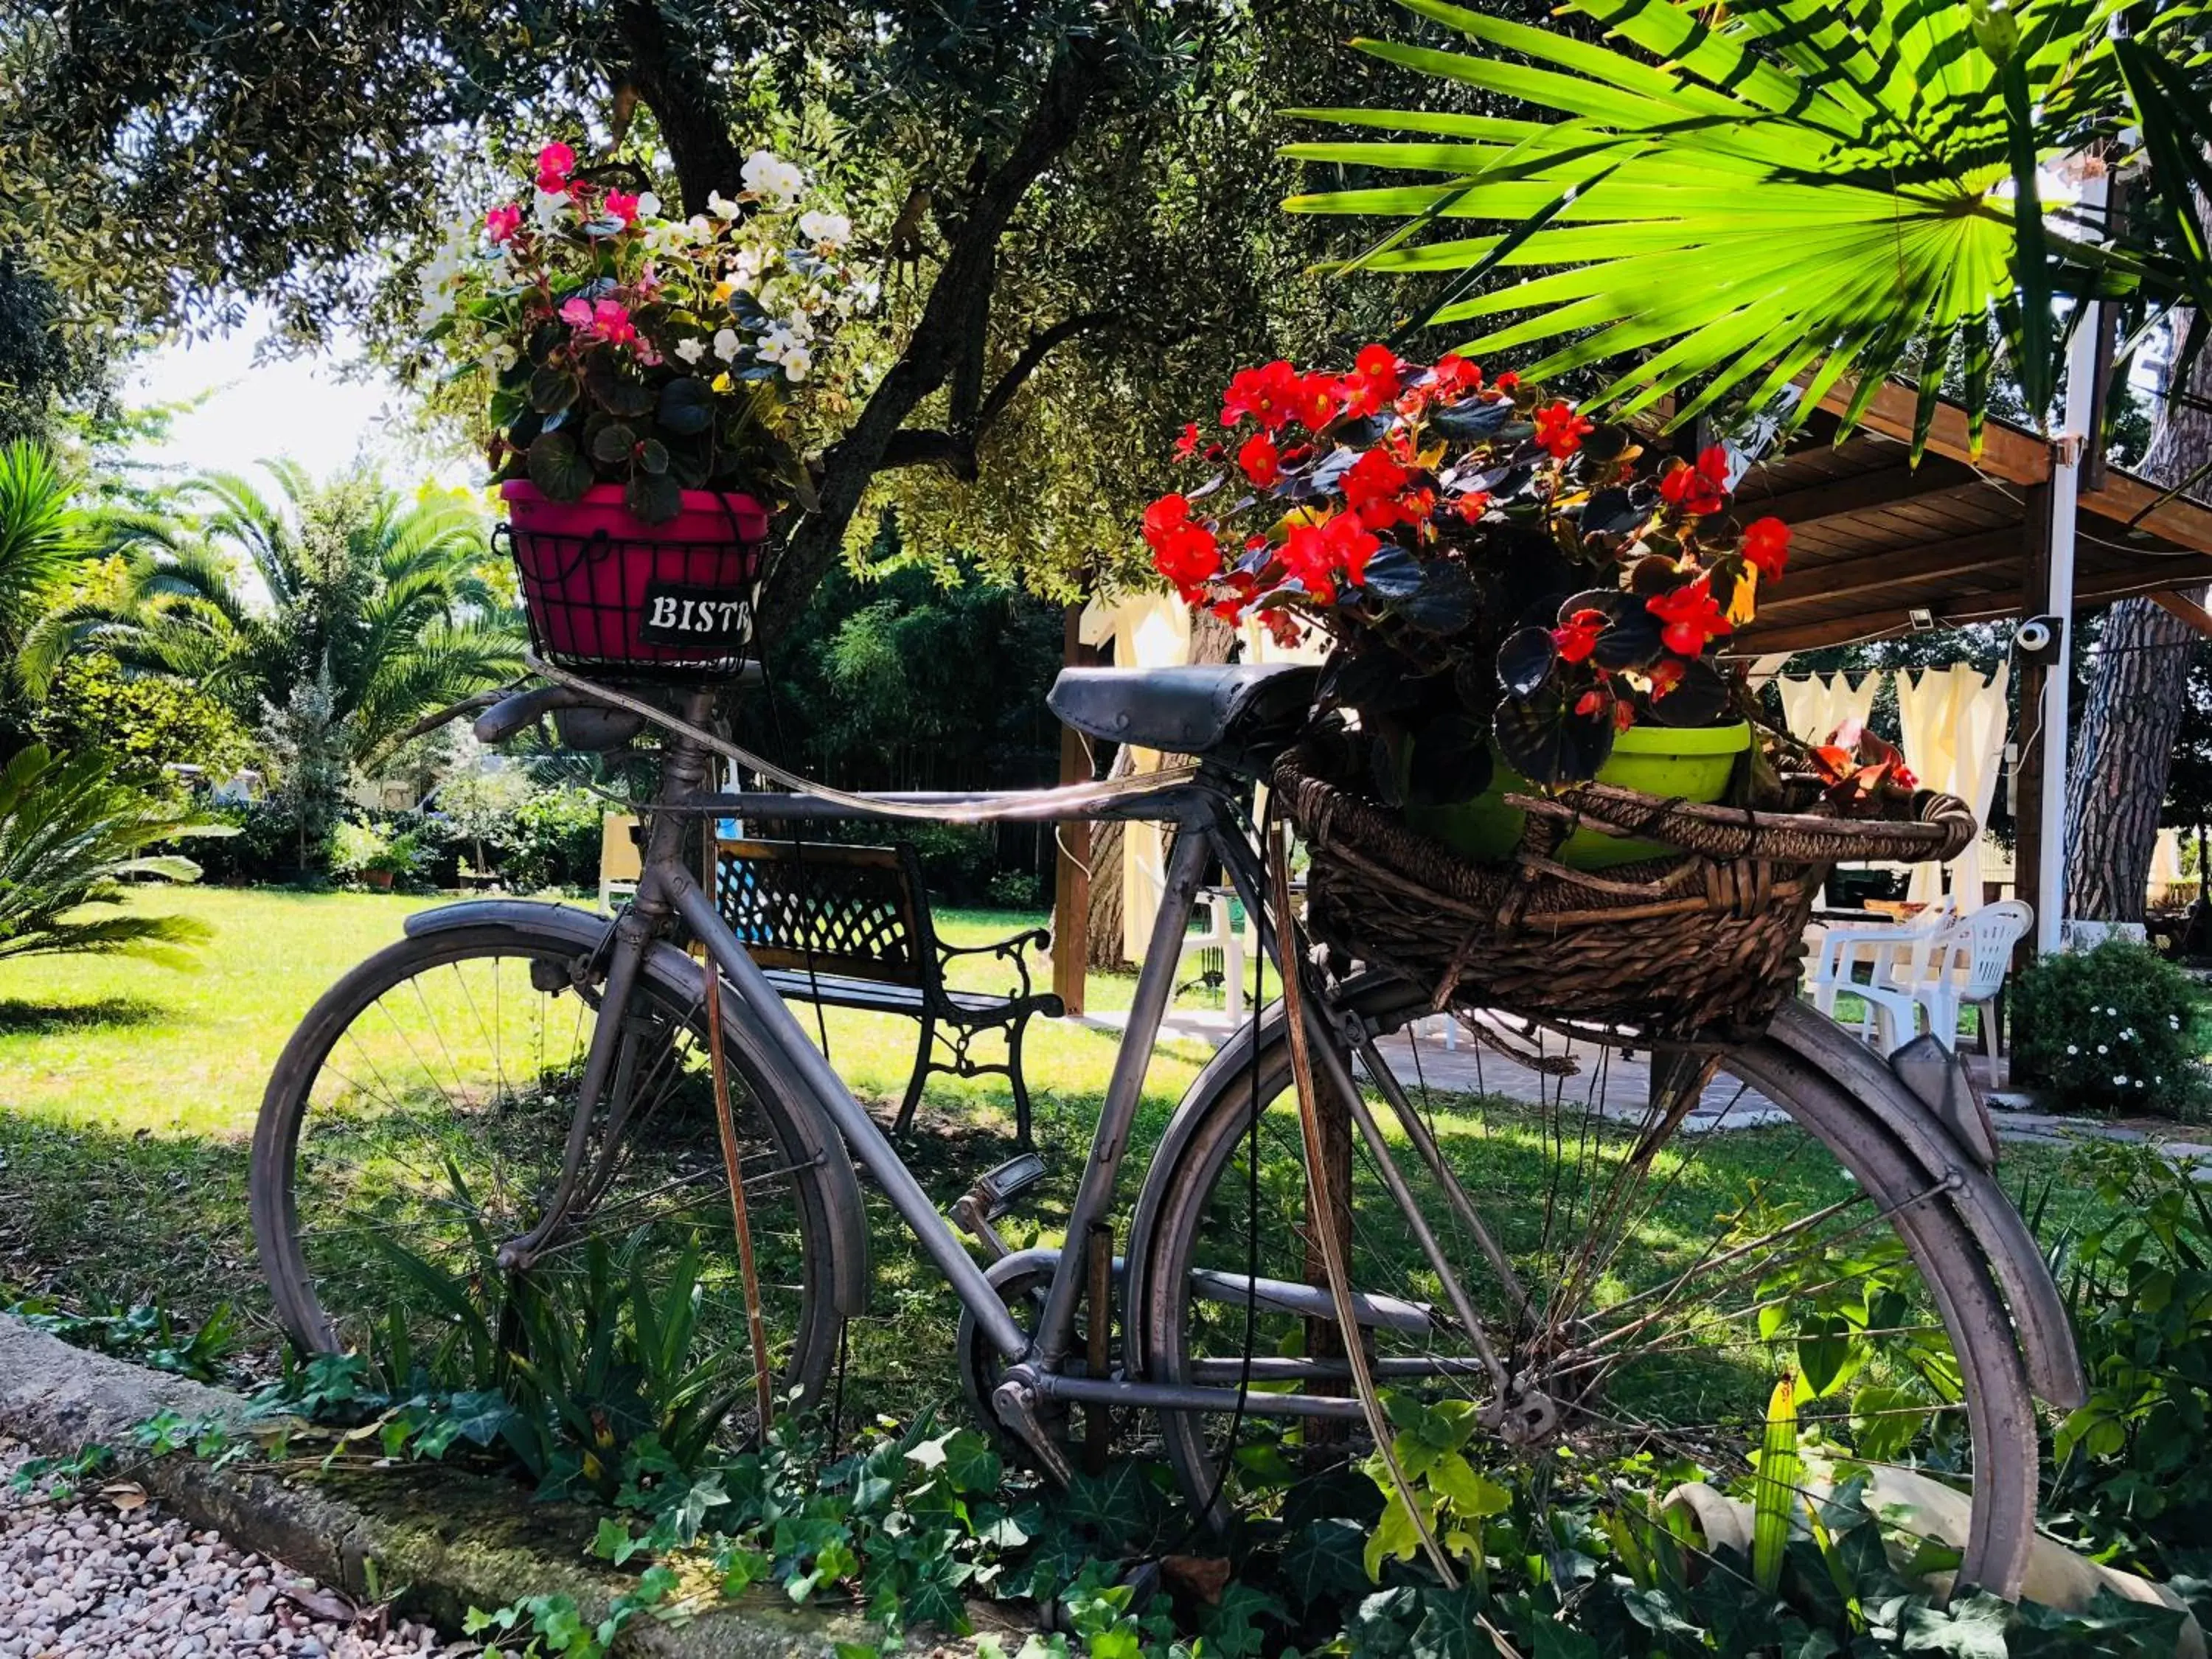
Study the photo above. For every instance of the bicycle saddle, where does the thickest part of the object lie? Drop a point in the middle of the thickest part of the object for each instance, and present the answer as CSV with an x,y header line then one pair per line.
x,y
1241,714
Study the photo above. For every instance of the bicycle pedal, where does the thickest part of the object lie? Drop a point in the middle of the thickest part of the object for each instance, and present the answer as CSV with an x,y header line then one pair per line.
x,y
991,1196
995,1190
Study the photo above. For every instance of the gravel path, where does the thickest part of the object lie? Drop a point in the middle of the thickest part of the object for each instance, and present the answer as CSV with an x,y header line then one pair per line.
x,y
89,1577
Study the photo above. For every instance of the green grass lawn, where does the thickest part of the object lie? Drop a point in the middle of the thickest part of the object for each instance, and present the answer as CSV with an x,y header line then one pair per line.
x,y
131,1093
131,1090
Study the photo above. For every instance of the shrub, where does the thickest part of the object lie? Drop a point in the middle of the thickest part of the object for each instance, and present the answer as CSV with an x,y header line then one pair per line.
x,y
69,836
2112,1029
2129,1463
1016,890
358,848
551,840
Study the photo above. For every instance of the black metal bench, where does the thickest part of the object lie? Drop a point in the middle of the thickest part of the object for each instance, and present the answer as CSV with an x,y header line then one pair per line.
x,y
850,926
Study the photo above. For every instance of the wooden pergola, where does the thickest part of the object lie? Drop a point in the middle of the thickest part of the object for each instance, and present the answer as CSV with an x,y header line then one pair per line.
x,y
1880,549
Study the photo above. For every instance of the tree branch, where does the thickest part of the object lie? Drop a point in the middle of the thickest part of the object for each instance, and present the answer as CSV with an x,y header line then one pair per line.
x,y
676,86
955,450
1032,356
1064,102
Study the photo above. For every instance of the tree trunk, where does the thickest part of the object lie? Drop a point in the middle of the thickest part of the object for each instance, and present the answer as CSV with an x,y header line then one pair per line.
x,y
2123,746
2117,780
1102,930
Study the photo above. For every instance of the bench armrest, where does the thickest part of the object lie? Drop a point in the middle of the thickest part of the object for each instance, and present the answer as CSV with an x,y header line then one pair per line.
x,y
1010,948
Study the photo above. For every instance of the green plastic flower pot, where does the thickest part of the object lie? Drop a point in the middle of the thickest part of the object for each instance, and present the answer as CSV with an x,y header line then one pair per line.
x,y
1686,764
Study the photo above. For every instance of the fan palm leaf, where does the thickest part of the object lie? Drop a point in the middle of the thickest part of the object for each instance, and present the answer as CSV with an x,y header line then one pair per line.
x,y
1808,188
42,537
69,836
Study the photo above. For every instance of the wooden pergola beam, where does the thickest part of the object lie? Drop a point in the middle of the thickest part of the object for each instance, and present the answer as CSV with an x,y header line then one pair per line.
x,y
2021,458
1870,573
2188,609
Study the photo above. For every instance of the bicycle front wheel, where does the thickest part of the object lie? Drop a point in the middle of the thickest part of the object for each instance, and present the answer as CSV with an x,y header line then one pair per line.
x,y
1644,1272
415,1125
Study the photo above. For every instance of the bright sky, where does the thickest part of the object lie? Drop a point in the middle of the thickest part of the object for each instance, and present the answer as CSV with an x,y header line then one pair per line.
x,y
311,409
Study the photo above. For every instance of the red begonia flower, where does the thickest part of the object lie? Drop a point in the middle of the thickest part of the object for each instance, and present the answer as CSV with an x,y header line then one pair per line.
x,y
1560,429
1692,616
1766,545
1261,461
1576,637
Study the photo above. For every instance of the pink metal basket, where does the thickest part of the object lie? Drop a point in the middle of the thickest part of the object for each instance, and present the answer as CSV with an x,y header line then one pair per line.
x,y
607,592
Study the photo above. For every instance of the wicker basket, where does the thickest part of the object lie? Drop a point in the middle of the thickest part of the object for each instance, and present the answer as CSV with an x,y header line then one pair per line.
x,y
1702,945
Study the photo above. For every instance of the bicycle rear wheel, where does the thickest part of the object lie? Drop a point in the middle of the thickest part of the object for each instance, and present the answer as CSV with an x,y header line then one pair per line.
x,y
416,1124
1647,1272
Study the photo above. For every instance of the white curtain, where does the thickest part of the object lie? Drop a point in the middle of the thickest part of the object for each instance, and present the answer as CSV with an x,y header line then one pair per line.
x,y
1813,706
1955,728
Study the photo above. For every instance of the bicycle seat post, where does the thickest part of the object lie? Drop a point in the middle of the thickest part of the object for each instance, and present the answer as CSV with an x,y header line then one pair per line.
x,y
683,771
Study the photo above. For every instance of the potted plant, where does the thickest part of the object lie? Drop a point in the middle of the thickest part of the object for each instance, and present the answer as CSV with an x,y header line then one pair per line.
x,y
1524,605
1514,593
360,851
645,382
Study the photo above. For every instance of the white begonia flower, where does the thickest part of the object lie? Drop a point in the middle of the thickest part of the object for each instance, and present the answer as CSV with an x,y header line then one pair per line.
x,y
500,358
648,203
800,325
690,351
725,344
825,232
721,206
774,343
545,207
772,179
796,361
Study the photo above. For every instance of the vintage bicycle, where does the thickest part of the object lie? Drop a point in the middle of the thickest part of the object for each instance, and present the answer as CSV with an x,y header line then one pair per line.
x,y
527,1078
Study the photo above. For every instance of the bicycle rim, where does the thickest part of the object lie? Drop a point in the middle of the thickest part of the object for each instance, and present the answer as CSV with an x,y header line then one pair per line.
x,y
1647,1272
416,1124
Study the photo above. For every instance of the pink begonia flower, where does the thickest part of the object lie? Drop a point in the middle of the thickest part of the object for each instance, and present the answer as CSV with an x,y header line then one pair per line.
x,y
555,163
611,319
502,222
577,312
622,205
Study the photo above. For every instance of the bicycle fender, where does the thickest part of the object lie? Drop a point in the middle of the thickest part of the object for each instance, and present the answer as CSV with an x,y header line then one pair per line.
x,y
2047,1336
677,972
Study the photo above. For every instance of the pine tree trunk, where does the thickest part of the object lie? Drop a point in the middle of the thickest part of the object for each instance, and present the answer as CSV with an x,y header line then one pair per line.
x,y
2121,750
2124,745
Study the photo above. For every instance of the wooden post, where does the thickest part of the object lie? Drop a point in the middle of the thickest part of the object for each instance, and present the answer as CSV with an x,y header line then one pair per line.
x,y
1070,881
2027,769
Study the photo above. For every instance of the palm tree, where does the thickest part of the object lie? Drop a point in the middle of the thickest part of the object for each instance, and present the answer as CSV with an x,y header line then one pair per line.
x,y
42,537
387,606
69,834
1797,188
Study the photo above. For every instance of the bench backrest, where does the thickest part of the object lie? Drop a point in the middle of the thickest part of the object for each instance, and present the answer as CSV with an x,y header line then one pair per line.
x,y
854,912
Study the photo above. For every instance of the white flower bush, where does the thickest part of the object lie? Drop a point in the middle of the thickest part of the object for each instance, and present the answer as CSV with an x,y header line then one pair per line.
x,y
581,306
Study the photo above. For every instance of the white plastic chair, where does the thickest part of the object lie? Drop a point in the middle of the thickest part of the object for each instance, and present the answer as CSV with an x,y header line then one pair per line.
x,y
1967,964
1896,954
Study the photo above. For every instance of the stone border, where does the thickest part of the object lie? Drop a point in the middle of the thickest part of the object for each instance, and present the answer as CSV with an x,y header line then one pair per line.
x,y
434,1540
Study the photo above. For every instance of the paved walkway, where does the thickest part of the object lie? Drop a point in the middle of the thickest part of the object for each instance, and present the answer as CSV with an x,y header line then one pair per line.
x,y
1451,1060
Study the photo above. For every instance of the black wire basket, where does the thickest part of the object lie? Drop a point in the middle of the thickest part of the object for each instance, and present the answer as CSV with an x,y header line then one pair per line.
x,y
638,607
